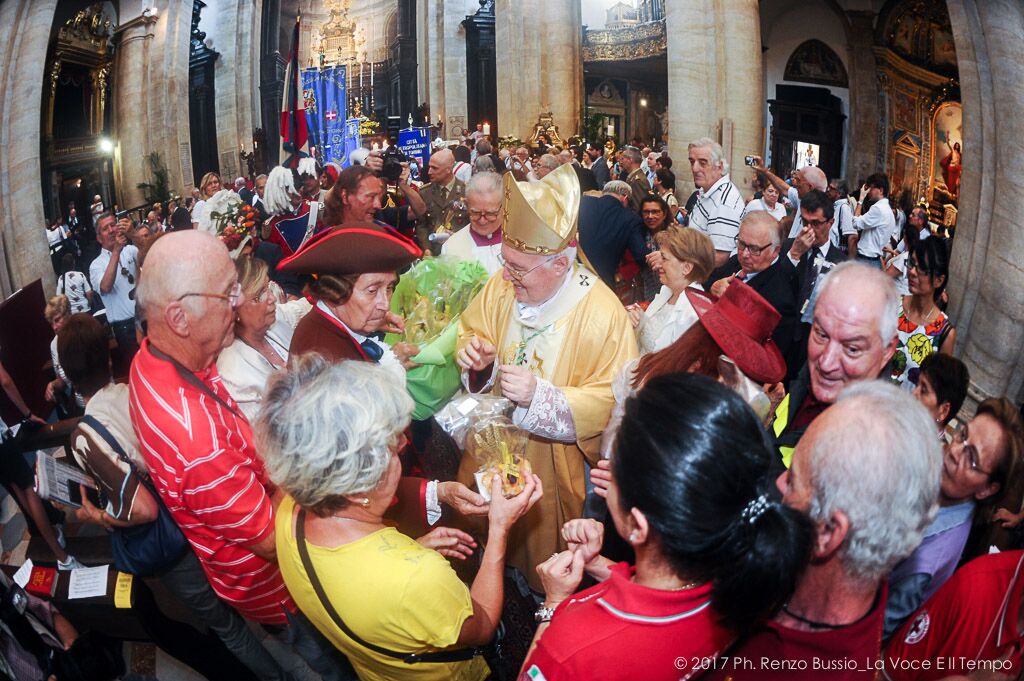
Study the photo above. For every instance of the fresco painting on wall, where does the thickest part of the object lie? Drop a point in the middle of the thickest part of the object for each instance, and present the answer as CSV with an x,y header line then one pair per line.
x,y
904,172
905,109
943,49
947,152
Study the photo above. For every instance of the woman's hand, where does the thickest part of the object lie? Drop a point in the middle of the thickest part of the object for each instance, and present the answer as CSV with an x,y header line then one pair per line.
x,y
505,512
654,260
636,314
461,498
601,477
561,575
449,542
584,536
393,323
405,352
1007,519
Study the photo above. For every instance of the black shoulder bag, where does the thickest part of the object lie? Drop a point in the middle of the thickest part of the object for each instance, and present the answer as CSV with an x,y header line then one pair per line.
x,y
459,655
144,549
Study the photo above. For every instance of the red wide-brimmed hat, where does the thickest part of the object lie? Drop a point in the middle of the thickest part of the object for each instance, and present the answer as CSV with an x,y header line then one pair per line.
x,y
353,248
742,322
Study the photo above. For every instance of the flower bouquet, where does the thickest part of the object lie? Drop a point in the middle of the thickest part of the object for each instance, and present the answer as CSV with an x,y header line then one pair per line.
x,y
230,219
430,297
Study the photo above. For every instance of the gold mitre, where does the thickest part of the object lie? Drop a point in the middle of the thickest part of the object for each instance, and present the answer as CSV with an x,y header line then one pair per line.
x,y
541,217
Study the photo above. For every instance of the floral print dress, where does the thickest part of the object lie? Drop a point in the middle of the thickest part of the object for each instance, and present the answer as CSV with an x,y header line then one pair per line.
x,y
915,343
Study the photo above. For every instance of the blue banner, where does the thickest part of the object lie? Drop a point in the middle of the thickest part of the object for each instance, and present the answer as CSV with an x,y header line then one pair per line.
x,y
351,141
415,142
324,94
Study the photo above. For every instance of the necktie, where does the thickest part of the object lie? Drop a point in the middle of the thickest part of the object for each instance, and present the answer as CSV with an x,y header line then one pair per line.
x,y
810,274
372,350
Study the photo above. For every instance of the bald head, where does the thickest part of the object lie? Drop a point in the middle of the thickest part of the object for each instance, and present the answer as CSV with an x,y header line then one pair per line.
x,y
809,178
182,262
565,157
441,167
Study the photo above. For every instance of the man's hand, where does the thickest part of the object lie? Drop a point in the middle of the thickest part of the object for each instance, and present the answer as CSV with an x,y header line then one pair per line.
x,y
601,477
518,384
718,288
636,314
758,166
477,355
449,542
561,575
403,179
863,193
52,388
584,535
802,243
464,500
375,162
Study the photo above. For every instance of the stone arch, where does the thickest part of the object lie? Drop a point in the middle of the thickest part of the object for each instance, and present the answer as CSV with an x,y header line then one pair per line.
x,y
815,62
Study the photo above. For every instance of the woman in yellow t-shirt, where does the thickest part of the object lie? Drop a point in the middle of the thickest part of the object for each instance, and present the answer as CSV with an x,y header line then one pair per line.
x,y
334,453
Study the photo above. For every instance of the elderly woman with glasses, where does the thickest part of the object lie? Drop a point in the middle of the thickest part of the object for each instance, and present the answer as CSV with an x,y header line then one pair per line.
x,y
976,469
389,602
263,335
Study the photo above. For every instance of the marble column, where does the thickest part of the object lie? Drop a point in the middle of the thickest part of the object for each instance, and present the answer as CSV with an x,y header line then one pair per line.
x,y
441,45
130,128
986,273
539,65
24,255
234,29
865,150
715,88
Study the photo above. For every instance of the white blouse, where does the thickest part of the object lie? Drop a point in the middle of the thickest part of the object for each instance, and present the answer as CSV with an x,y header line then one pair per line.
x,y
662,323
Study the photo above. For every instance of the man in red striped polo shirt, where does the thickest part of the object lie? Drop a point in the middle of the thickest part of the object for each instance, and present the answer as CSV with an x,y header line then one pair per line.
x,y
197,444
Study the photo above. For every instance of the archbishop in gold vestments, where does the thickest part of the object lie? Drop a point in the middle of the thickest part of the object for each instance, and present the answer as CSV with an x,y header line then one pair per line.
x,y
574,344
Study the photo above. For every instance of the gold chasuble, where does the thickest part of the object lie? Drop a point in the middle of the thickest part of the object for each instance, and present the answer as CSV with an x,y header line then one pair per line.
x,y
578,340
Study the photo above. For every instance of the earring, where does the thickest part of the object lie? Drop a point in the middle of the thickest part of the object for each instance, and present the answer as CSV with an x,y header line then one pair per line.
x,y
365,502
633,535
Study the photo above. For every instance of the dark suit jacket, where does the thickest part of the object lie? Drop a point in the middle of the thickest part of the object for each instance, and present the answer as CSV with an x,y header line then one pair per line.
x,y
606,230
798,275
601,172
775,286
587,181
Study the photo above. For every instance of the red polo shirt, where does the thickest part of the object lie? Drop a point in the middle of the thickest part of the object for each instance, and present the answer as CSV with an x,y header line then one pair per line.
x,y
621,630
202,462
970,624
773,651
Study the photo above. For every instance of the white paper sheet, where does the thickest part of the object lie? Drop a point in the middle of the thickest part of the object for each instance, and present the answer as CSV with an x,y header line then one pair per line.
x,y
88,582
24,572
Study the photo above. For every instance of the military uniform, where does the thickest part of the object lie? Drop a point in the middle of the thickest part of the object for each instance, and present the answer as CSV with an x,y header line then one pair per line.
x,y
641,188
441,210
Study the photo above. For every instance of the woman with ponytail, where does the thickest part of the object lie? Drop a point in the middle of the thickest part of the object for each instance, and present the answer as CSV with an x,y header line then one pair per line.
x,y
715,553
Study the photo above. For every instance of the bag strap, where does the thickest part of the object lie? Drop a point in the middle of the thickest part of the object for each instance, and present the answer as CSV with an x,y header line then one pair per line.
x,y
191,379
459,655
102,431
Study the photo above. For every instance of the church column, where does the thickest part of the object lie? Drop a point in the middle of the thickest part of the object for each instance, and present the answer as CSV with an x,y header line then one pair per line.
x,y
715,87
539,65
986,272
233,29
864,155
167,91
22,65
441,45
130,126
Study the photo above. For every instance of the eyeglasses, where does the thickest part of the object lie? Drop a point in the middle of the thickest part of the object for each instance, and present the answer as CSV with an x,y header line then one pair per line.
x,y
973,458
131,281
475,214
519,275
262,296
755,251
916,264
814,224
656,211
232,296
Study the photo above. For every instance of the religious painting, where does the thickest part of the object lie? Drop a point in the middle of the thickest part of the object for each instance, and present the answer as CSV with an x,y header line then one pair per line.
x,y
903,35
947,153
815,62
943,49
904,111
904,172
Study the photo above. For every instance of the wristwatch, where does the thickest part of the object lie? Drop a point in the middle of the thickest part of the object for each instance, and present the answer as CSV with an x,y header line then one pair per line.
x,y
543,614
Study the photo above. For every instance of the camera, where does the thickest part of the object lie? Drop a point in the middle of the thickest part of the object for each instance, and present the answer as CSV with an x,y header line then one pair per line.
x,y
750,160
393,160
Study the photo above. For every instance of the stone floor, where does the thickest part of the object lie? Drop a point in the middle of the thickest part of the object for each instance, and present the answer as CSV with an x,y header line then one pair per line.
x,y
145,661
